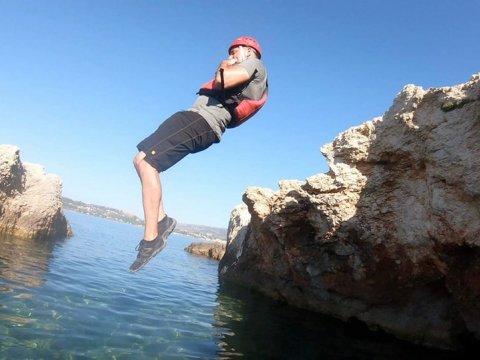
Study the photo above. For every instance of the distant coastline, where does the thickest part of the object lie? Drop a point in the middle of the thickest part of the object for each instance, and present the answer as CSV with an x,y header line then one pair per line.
x,y
196,231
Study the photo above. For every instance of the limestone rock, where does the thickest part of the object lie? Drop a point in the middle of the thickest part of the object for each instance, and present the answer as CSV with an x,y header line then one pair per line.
x,y
237,232
211,249
390,235
30,200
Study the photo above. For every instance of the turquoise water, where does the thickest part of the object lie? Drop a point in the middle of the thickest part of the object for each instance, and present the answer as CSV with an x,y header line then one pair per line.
x,y
75,299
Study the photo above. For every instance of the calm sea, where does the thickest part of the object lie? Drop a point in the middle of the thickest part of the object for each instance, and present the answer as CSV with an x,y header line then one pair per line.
x,y
76,299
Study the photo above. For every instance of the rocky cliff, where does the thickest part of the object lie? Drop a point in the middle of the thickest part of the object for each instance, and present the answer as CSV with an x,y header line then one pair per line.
x,y
30,200
390,235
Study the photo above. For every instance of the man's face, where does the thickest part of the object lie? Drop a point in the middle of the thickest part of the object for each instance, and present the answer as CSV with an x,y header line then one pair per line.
x,y
239,53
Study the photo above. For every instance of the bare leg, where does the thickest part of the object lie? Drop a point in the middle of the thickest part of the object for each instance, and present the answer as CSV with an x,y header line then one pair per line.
x,y
151,195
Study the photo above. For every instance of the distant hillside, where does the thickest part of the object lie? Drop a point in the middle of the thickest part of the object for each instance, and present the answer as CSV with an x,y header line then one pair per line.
x,y
101,211
202,232
197,231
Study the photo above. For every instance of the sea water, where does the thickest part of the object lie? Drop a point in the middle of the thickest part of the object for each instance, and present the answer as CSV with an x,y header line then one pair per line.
x,y
76,299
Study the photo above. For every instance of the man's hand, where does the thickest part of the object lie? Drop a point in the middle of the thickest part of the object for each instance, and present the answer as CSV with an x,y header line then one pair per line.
x,y
226,63
233,74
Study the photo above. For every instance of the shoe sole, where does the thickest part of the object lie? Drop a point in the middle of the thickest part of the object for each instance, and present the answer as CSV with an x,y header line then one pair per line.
x,y
165,241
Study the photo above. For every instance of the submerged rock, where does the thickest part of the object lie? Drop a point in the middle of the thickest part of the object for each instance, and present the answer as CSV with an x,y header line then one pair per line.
x,y
30,200
390,235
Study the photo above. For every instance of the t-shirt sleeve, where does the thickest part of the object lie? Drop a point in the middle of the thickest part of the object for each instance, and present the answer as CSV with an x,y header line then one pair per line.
x,y
258,84
251,65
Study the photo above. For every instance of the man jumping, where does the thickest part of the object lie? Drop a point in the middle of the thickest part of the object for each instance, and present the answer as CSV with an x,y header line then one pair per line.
x,y
238,90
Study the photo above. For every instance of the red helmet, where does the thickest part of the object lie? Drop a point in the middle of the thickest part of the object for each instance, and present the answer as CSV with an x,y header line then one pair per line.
x,y
247,41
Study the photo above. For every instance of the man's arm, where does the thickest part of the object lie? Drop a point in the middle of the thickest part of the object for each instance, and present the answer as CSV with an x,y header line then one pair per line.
x,y
233,75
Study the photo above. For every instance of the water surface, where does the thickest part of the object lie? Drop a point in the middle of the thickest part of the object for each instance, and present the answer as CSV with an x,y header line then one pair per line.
x,y
76,299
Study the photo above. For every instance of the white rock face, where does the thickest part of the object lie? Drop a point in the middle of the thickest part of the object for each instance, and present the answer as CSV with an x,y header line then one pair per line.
x,y
391,234
237,233
30,200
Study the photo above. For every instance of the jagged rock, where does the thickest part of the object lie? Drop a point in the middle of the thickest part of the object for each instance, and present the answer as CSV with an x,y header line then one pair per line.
x,y
30,200
213,249
236,234
391,234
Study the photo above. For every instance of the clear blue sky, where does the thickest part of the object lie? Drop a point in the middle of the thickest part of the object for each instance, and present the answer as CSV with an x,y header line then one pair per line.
x,y
82,82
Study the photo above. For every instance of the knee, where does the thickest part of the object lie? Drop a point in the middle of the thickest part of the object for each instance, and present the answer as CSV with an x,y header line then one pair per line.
x,y
138,160
143,167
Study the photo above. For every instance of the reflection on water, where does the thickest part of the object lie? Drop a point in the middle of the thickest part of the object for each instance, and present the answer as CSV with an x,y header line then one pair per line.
x,y
23,265
76,299
254,327
23,262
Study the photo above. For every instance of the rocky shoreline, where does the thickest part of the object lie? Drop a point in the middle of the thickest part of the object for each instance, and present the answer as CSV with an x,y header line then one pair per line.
x,y
390,235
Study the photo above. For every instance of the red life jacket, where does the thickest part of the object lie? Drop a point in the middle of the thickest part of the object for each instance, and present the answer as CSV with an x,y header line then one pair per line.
x,y
240,107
